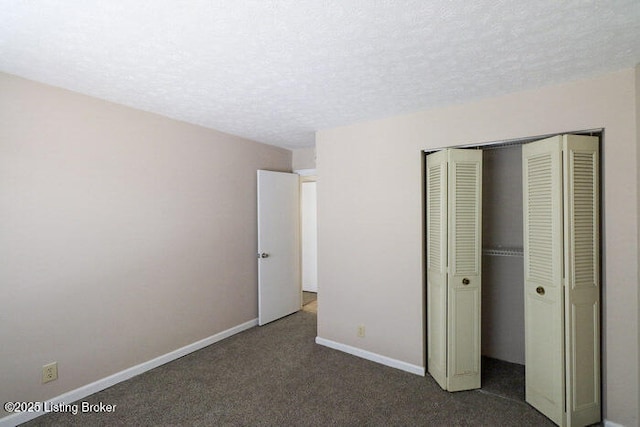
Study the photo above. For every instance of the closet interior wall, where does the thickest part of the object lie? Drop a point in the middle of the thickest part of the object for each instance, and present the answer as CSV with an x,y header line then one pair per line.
x,y
502,259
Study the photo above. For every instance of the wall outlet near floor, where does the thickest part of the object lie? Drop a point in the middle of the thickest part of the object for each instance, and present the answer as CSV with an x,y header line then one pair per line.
x,y
49,372
361,331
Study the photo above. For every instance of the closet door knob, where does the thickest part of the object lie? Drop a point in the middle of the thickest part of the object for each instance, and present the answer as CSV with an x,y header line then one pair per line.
x,y
540,290
465,281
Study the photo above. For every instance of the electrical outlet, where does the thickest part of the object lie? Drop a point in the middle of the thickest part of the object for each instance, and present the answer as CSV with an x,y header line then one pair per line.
x,y
361,331
49,372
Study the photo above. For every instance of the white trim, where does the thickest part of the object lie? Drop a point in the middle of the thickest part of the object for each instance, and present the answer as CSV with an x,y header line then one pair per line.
x,y
374,357
118,377
608,423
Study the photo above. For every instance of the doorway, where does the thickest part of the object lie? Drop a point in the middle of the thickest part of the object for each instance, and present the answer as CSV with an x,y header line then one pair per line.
x,y
503,344
309,240
557,201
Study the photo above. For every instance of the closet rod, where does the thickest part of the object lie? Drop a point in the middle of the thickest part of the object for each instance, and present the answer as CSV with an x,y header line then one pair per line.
x,y
501,145
516,252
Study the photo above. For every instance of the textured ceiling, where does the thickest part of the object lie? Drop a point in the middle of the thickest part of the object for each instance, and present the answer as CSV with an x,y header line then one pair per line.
x,y
277,71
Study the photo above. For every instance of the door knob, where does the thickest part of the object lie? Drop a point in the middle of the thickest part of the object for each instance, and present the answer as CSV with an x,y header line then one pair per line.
x,y
465,281
263,255
540,290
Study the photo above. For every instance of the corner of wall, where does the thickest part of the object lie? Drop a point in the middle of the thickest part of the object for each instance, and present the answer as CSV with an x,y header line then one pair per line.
x,y
303,158
121,211
349,217
637,117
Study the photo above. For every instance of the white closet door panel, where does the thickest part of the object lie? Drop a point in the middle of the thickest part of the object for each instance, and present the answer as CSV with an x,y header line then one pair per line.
x,y
464,281
543,258
437,220
582,300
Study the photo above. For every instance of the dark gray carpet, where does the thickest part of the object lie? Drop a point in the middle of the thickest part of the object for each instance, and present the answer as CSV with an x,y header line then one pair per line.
x,y
308,297
276,375
503,378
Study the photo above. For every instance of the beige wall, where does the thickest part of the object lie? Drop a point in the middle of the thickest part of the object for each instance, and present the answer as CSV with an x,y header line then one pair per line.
x,y
638,211
370,218
304,158
124,235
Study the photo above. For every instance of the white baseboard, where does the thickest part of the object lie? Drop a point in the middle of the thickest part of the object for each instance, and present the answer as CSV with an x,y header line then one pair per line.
x,y
608,423
94,387
374,357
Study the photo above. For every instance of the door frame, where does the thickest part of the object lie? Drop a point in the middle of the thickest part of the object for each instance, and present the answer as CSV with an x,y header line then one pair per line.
x,y
305,175
598,132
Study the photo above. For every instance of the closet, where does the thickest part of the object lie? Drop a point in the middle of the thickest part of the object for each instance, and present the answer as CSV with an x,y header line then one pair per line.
x,y
502,254
512,246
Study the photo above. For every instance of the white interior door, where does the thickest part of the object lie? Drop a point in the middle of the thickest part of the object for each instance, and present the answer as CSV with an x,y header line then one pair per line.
x,y
582,262
454,249
279,290
562,290
309,237
437,232
543,258
465,261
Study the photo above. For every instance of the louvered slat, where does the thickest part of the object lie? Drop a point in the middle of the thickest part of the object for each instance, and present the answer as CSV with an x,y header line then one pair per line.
x,y
466,218
435,208
584,220
540,211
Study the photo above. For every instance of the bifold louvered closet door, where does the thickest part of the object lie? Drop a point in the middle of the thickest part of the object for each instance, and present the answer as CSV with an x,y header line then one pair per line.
x,y
562,286
454,249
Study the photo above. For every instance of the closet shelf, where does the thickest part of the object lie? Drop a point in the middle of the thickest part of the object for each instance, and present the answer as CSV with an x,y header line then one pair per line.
x,y
519,252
